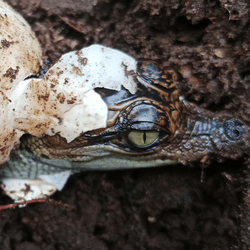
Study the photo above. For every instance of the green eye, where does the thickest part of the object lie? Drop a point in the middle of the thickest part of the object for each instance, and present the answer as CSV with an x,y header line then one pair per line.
x,y
143,138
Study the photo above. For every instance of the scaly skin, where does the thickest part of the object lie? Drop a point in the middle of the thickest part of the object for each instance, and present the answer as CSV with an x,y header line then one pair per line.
x,y
180,132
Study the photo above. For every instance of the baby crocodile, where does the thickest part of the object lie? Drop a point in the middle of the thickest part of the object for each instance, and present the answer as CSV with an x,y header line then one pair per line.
x,y
153,127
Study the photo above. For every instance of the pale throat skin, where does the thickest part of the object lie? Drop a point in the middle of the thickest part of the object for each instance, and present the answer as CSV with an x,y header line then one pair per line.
x,y
153,127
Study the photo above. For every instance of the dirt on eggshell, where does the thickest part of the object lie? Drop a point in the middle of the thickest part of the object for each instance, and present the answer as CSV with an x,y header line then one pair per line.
x,y
207,42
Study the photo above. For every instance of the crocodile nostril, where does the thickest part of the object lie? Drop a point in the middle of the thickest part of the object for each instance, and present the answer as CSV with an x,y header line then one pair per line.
x,y
233,129
236,133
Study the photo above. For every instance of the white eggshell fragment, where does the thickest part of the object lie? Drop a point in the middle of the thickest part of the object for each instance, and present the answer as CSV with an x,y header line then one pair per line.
x,y
20,55
93,67
21,190
72,81
43,112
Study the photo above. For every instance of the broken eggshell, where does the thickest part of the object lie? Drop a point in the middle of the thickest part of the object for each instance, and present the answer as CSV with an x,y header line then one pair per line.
x,y
21,55
24,190
64,101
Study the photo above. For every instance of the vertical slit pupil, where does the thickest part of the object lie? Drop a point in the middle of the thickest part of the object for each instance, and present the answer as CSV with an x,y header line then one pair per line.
x,y
144,137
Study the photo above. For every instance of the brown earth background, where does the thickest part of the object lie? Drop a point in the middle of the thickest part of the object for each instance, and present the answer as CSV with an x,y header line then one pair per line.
x,y
159,208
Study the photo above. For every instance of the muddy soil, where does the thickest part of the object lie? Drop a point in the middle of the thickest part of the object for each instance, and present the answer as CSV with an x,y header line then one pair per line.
x,y
159,208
